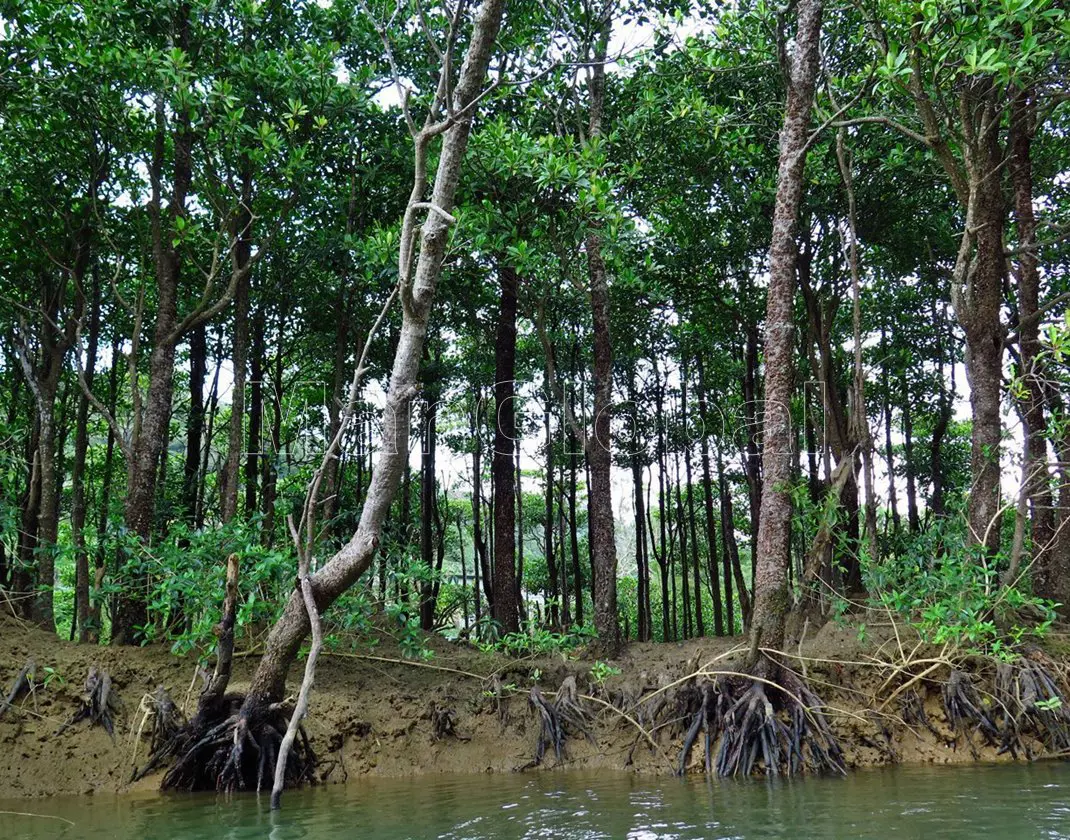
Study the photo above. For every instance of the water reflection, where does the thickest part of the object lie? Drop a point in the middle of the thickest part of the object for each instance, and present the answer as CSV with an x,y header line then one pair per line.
x,y
1004,803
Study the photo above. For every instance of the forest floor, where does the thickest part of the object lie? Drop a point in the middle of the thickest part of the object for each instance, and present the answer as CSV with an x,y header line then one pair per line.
x,y
372,712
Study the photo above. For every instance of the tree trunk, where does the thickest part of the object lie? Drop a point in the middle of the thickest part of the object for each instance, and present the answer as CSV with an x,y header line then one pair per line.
x,y
772,558
255,409
93,623
79,504
574,540
341,571
506,605
1050,580
151,432
719,616
191,470
428,496
548,512
752,462
642,567
239,358
943,419
685,566
521,606
913,520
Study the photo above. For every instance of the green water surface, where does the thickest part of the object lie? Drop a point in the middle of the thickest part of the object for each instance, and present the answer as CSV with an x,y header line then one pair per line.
x,y
993,803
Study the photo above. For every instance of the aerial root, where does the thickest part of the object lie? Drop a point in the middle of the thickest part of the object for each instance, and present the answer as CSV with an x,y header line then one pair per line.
x,y
234,751
444,723
779,728
565,716
167,723
912,711
1032,699
965,710
100,703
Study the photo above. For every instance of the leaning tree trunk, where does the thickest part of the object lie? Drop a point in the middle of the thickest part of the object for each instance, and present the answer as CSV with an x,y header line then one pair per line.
x,y
771,560
352,560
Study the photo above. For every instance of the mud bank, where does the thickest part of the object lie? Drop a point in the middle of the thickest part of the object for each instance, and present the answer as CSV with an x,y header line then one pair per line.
x,y
373,713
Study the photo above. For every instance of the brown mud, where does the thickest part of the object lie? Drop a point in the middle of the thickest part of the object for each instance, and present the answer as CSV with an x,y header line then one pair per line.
x,y
463,711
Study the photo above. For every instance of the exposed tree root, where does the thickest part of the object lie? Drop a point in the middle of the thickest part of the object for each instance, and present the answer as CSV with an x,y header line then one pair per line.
x,y
557,720
1032,700
776,727
236,751
912,710
167,725
23,684
229,744
965,710
444,723
99,703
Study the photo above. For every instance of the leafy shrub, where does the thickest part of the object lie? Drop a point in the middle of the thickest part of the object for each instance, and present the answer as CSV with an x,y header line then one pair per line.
x,y
953,593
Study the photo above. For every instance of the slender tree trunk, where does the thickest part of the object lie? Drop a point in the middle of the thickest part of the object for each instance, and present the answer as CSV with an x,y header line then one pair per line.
x,y
478,539
600,526
79,504
28,526
566,605
349,563
719,616
685,566
773,555
548,512
913,519
239,359
93,622
271,473
506,604
428,494
642,568
1050,580
943,420
255,409
732,567
151,427
977,295
521,606
574,540
191,470
752,462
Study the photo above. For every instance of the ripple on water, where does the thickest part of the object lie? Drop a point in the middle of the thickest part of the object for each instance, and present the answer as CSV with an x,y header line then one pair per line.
x,y
1004,803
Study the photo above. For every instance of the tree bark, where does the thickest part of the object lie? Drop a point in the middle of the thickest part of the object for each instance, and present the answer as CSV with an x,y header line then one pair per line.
x,y
79,504
191,470
256,414
239,356
1050,580
548,511
428,495
719,617
771,561
506,609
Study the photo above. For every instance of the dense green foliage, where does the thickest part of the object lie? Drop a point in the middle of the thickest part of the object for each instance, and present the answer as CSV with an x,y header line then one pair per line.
x,y
261,149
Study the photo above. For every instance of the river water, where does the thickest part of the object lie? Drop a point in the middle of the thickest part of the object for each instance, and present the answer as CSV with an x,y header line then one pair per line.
x,y
993,803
